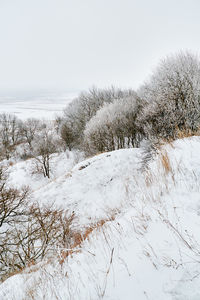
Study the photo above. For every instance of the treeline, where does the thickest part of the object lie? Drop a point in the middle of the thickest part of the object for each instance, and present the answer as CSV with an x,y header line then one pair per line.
x,y
32,138
109,119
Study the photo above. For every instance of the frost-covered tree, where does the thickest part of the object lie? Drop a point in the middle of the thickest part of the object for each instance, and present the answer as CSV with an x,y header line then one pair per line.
x,y
10,128
29,130
68,135
172,96
113,127
83,108
44,145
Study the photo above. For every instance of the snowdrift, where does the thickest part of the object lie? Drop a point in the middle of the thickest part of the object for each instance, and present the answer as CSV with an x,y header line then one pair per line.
x,y
148,246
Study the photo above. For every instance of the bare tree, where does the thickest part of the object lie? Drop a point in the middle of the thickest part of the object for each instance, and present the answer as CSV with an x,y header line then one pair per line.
x,y
44,145
11,200
9,134
29,129
39,234
68,135
29,232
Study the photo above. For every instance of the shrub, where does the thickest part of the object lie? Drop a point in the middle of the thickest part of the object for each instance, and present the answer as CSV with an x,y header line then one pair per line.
x,y
28,233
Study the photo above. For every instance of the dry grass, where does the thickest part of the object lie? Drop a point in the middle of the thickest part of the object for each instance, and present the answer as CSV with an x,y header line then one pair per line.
x,y
148,179
11,163
187,133
165,162
80,237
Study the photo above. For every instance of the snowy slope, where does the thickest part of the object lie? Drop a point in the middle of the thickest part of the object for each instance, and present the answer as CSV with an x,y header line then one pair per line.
x,y
150,246
94,187
23,173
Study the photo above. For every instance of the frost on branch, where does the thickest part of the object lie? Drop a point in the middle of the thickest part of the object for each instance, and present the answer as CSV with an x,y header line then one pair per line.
x,y
113,127
82,109
172,97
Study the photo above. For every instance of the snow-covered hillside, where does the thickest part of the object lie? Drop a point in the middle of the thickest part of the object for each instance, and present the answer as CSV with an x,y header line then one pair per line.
x,y
143,241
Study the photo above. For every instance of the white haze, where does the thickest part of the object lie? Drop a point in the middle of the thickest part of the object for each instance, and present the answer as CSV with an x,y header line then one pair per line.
x,y
69,45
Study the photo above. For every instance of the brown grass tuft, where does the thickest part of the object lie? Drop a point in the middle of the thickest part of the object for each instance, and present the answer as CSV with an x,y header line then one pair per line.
x,y
165,162
81,237
181,134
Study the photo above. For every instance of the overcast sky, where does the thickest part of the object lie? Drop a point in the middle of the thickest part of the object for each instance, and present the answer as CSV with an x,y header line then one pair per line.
x,y
73,44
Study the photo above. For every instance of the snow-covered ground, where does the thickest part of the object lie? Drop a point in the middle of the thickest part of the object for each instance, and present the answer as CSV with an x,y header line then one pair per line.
x,y
149,246
24,173
40,106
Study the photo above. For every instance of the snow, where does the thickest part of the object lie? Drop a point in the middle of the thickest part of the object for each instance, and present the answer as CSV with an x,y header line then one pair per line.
x,y
23,173
98,183
149,248
41,106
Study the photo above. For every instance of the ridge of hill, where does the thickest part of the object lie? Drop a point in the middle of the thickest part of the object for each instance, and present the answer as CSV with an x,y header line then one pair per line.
x,y
147,246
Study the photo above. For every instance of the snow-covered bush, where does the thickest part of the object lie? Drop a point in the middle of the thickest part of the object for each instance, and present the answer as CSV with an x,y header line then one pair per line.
x,y
113,127
82,109
172,97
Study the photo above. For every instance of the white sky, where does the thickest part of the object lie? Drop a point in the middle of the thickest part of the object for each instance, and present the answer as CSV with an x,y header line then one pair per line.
x,y
73,44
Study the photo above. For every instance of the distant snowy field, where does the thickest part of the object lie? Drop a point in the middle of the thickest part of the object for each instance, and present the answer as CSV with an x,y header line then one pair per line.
x,y
42,106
